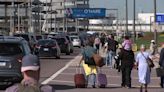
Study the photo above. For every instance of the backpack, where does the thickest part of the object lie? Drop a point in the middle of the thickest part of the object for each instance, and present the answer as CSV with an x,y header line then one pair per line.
x,y
29,88
88,60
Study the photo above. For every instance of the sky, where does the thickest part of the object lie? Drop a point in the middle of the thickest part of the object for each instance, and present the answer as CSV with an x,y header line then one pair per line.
x,y
145,6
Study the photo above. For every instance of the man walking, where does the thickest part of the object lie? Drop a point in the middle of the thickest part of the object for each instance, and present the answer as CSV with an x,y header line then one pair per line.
x,y
161,63
111,50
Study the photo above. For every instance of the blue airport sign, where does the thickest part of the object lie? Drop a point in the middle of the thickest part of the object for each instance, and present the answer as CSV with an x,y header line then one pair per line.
x,y
86,12
160,18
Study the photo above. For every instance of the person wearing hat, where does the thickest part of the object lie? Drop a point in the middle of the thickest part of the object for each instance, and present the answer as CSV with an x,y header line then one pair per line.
x,y
152,47
31,72
161,63
143,67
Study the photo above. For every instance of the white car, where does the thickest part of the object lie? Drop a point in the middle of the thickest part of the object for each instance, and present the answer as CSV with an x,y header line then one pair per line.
x,y
76,41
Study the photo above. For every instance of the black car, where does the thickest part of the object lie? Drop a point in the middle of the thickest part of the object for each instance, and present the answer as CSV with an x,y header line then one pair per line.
x,y
68,39
30,38
64,44
47,47
12,49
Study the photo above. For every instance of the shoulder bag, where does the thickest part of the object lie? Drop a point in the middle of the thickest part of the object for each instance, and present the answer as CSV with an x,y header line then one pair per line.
x,y
149,61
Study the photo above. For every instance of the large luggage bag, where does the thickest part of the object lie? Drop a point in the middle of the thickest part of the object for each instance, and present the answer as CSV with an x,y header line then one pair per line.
x,y
79,80
102,80
160,71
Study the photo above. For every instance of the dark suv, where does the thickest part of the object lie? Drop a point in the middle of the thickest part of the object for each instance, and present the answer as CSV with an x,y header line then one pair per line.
x,y
12,49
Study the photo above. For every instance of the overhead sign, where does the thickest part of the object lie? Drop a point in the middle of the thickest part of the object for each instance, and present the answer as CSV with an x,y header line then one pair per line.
x,y
86,12
160,18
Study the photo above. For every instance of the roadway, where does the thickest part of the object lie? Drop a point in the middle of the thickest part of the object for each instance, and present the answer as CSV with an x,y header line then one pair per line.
x,y
60,74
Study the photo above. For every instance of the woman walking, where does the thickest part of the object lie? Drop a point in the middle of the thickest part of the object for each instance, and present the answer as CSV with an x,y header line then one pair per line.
x,y
89,68
143,68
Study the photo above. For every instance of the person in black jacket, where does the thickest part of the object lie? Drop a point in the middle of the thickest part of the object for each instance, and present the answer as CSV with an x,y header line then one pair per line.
x,y
161,63
127,62
111,50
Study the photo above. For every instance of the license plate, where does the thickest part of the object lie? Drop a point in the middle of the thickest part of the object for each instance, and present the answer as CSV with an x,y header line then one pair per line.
x,y
46,49
2,63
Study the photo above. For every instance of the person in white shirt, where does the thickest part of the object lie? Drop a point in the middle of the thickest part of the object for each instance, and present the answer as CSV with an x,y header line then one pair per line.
x,y
143,67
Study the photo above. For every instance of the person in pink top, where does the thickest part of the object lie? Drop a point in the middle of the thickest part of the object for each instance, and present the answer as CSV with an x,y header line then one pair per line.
x,y
127,43
97,44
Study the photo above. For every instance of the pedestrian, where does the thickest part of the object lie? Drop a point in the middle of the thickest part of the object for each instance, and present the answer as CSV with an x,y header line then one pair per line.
x,y
31,73
127,59
127,43
97,44
111,50
161,63
90,70
143,67
152,47
102,39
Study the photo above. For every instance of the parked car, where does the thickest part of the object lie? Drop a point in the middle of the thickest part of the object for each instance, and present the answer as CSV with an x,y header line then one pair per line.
x,y
47,47
12,49
30,38
75,41
64,44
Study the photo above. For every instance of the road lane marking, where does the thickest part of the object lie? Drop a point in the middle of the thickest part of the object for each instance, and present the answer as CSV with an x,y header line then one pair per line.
x,y
60,71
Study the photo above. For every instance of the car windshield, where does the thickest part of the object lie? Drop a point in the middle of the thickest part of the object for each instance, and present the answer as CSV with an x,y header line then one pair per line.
x,y
24,36
72,38
38,37
46,42
60,40
10,49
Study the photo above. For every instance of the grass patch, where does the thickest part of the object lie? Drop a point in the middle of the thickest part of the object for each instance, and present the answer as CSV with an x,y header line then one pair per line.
x,y
148,37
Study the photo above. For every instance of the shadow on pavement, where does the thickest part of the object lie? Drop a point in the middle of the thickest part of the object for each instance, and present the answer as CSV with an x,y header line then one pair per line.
x,y
62,87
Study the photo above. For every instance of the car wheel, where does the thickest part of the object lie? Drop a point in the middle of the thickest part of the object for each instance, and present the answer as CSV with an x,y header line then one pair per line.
x,y
57,57
67,53
71,50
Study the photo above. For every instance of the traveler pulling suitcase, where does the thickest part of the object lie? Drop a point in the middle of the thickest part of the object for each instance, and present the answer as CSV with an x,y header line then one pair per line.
x,y
102,79
79,79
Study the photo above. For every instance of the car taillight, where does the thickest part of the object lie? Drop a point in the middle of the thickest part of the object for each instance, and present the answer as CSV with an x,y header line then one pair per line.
x,y
19,59
37,46
66,42
53,47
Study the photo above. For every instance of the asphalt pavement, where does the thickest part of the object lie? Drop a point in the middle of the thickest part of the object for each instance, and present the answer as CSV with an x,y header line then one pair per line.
x,y
63,81
60,74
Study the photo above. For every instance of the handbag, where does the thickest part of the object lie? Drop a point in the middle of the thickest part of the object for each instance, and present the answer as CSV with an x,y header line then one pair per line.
x,y
99,61
160,71
149,61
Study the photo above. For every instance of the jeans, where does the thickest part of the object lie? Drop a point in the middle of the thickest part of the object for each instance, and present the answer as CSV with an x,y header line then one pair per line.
x,y
91,79
110,58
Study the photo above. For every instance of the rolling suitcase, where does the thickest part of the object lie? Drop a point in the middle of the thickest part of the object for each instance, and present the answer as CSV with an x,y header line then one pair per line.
x,y
79,80
102,80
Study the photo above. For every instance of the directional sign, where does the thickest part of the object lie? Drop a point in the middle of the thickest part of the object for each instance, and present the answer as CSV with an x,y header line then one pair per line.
x,y
86,12
160,18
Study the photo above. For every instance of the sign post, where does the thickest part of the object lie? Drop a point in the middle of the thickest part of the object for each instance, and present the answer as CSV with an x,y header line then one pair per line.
x,y
160,18
86,12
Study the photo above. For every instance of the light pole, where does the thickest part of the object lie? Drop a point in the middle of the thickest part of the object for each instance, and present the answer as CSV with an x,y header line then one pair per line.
x,y
126,16
155,30
134,20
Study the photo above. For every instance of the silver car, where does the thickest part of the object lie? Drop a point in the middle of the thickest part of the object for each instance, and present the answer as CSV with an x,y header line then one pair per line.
x,y
76,41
